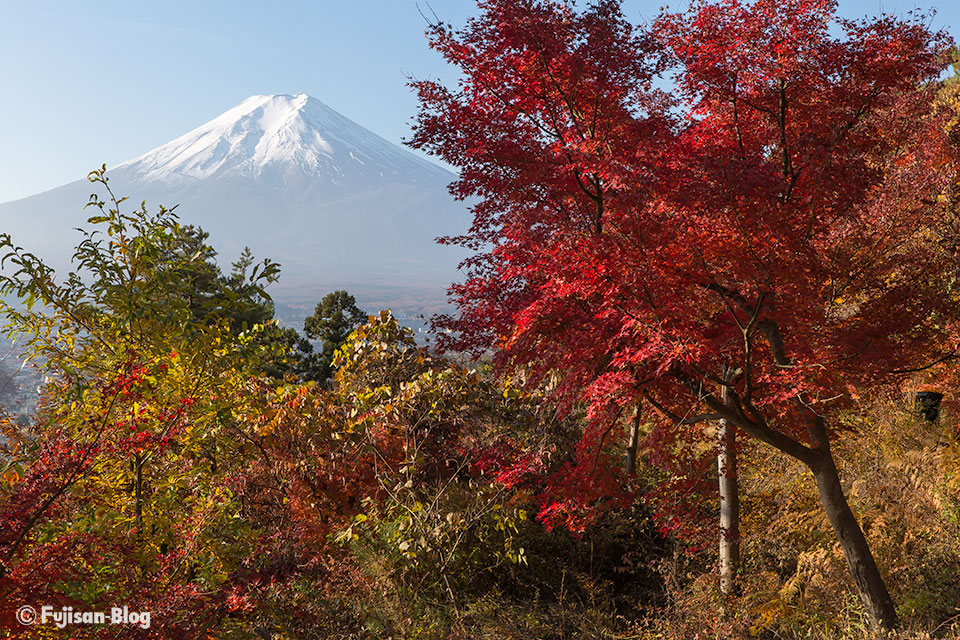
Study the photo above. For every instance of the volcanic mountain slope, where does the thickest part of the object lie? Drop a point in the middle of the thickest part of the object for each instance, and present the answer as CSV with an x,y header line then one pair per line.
x,y
333,203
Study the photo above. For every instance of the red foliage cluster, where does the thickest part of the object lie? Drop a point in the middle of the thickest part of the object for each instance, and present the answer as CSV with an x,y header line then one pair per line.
x,y
766,222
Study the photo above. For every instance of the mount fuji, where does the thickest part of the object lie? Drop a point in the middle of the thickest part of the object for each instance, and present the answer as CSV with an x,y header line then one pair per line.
x,y
336,205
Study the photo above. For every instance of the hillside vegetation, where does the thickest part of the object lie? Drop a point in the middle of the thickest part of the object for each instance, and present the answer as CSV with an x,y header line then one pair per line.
x,y
686,392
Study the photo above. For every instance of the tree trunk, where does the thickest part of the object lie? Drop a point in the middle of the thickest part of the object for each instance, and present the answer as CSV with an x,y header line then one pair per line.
x,y
634,443
863,568
729,503
818,457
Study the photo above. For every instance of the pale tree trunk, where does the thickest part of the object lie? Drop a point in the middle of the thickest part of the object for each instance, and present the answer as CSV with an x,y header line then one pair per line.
x,y
634,443
729,502
817,456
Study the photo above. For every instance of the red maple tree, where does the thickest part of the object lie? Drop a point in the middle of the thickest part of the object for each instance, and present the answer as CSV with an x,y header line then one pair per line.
x,y
752,252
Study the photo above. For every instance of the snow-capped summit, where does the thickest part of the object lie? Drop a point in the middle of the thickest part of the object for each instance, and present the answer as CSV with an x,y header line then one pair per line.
x,y
278,134
335,204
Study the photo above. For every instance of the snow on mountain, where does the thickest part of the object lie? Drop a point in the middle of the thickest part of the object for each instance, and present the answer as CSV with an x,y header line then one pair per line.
x,y
333,203
264,133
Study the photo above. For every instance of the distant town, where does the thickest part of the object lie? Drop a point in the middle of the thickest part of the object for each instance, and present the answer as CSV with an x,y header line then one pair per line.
x,y
20,384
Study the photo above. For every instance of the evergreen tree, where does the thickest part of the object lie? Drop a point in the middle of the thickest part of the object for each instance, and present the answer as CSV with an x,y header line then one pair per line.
x,y
331,323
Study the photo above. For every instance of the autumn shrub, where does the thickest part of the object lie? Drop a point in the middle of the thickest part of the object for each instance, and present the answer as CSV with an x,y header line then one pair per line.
x,y
439,471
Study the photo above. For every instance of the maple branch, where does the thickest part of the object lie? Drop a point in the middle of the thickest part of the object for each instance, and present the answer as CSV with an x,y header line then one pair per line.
x,y
769,328
856,353
808,234
764,433
756,312
748,347
736,118
838,137
597,194
556,84
782,127
945,358
706,375
757,428
816,429
746,237
598,200
756,107
646,262
596,114
703,417
727,292
793,182
509,105
603,437
718,288
771,331
861,111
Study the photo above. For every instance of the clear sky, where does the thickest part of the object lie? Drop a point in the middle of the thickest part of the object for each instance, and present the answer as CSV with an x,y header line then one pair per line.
x,y
85,83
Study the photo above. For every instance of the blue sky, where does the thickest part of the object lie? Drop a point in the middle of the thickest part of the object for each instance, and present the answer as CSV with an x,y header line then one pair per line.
x,y
104,81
